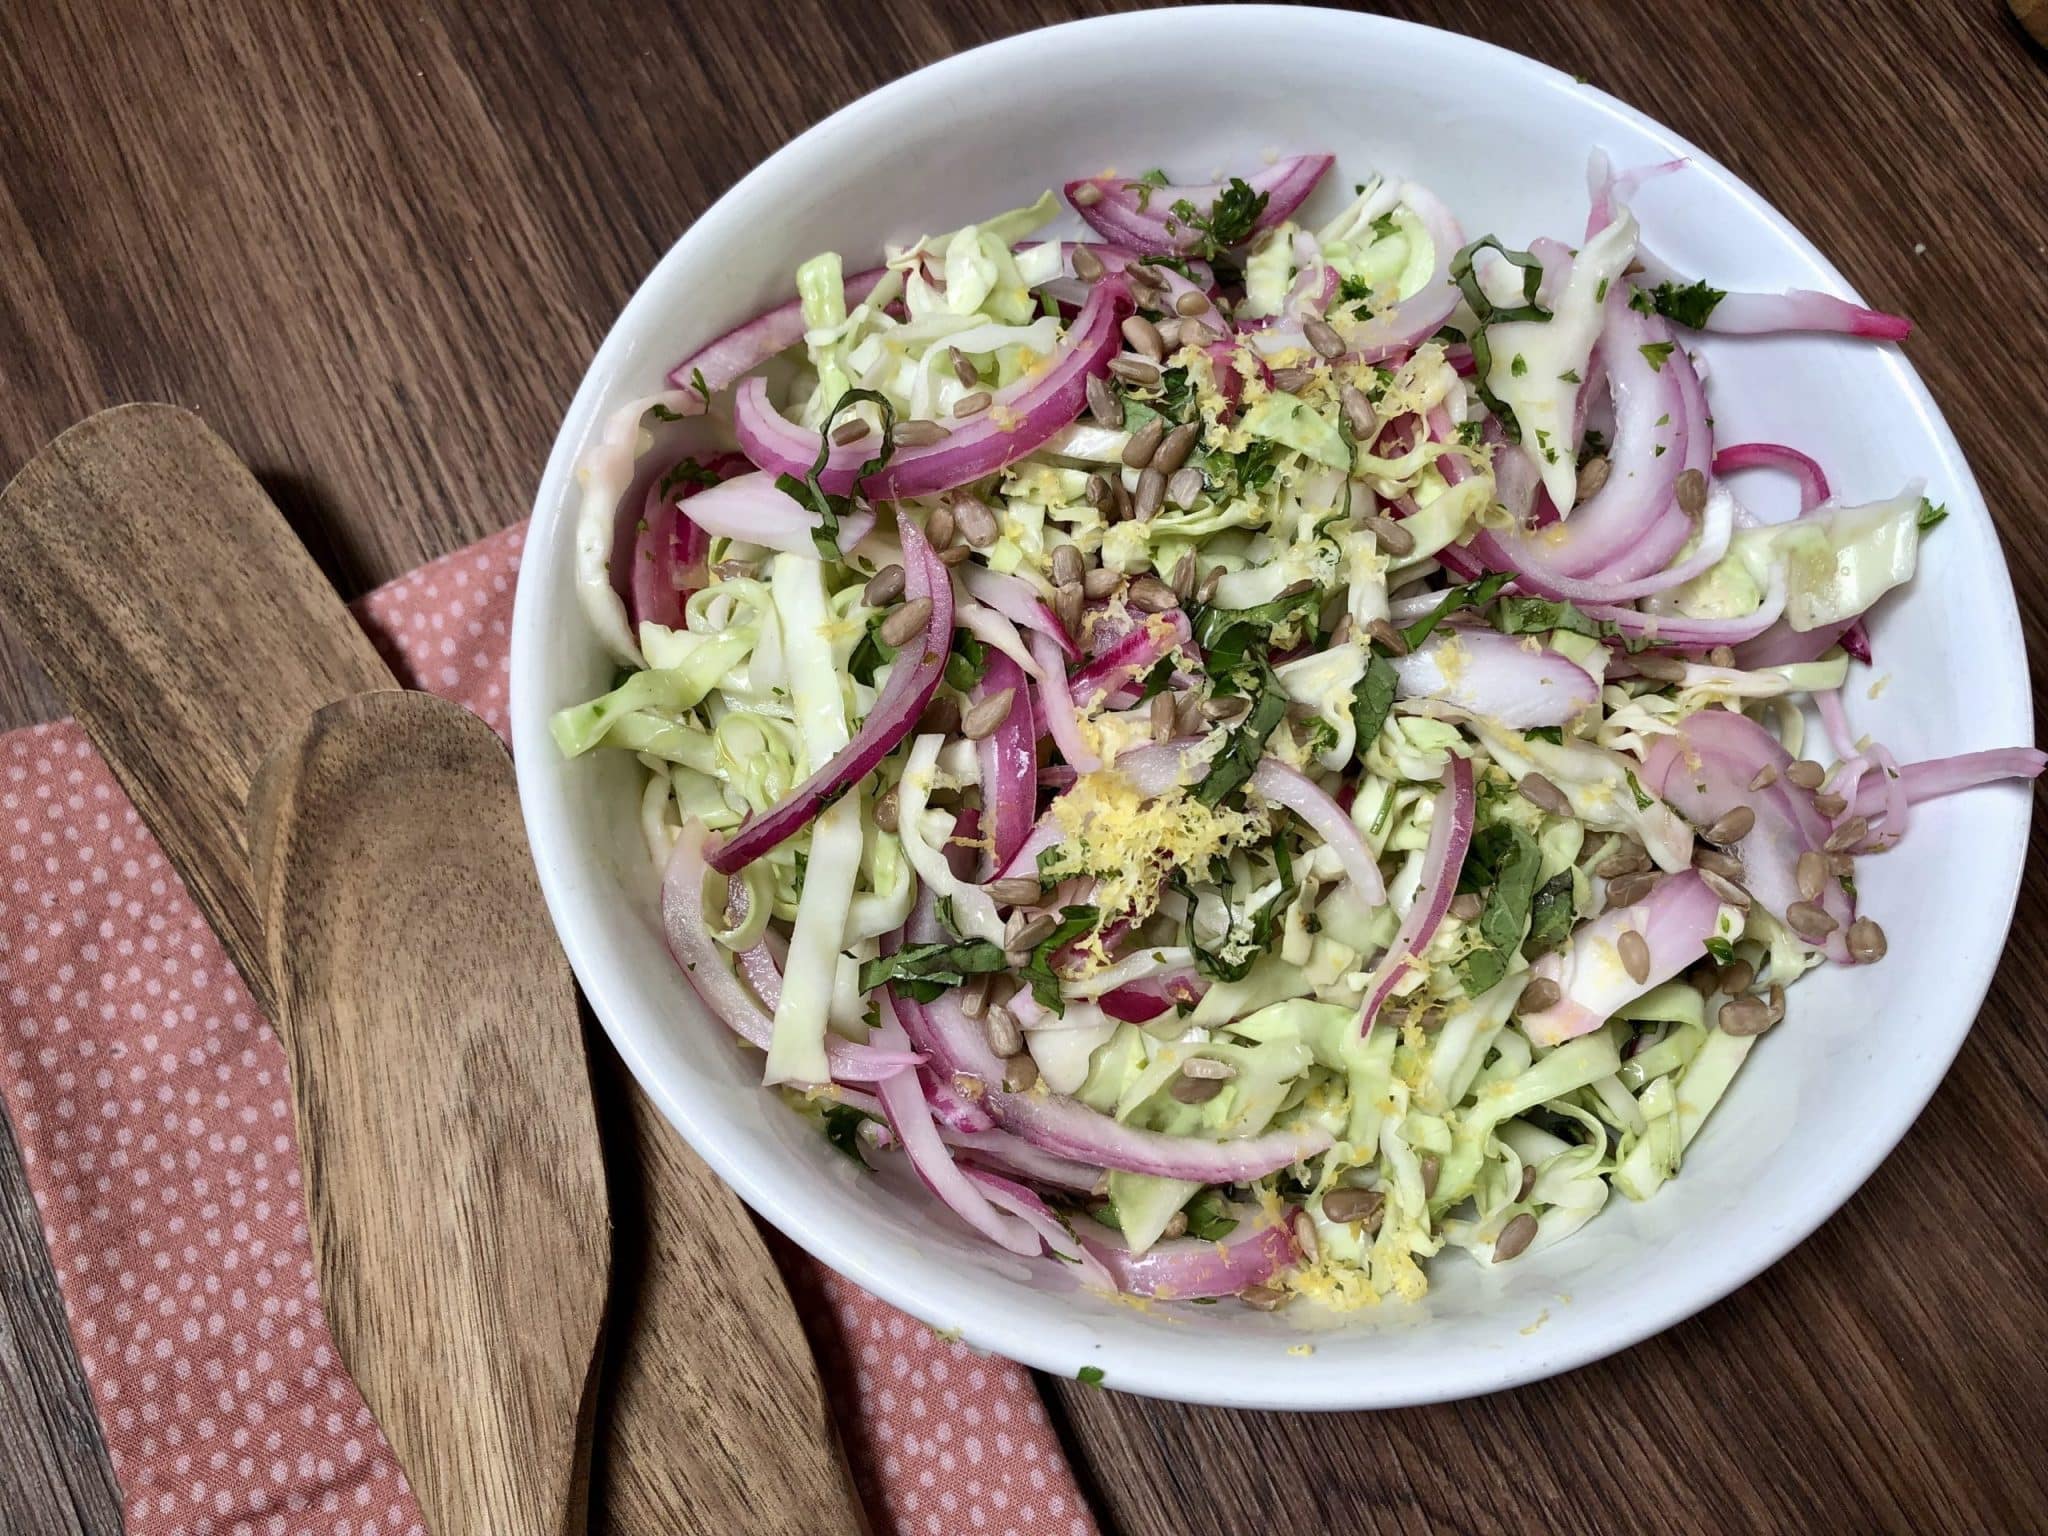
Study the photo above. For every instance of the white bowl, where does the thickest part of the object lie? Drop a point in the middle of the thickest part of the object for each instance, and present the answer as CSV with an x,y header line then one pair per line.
x,y
1504,142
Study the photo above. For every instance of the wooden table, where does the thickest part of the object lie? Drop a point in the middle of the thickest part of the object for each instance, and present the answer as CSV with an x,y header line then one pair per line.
x,y
376,246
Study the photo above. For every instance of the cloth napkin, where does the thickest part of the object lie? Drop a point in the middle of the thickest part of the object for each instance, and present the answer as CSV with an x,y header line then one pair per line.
x,y
150,1102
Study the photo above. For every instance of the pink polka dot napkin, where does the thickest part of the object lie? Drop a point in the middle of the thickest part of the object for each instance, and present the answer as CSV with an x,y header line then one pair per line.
x,y
150,1103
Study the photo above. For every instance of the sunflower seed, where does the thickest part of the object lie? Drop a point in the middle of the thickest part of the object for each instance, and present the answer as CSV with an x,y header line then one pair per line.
x,y
1134,370
959,554
1226,706
941,717
1847,835
1842,866
850,431
1811,873
1144,337
1169,334
1104,403
920,434
969,1087
974,404
1151,595
1634,951
1732,826
1866,941
1630,889
973,994
1391,536
1025,933
1263,1298
1004,1037
1527,1183
1291,381
1703,979
1176,1225
1663,669
1207,1066
1765,777
1187,714
1466,905
1592,475
1726,865
1305,1237
977,522
1323,337
1628,859
1541,993
1345,1205
1150,496
1810,920
1143,444
1358,412
1745,1016
1066,564
1183,487
884,587
941,525
1162,717
1087,265
886,809
1830,805
1540,792
1174,450
1020,1073
1692,493
907,622
1183,579
1728,890
1195,1090
1066,607
963,370
1099,581
982,718
1016,891
1724,656
1192,302
1515,1238
1086,195
1206,592
1432,1170
1386,637
1099,493
1806,773
1736,977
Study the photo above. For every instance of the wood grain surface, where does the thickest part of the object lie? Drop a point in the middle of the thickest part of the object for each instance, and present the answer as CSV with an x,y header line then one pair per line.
x,y
375,247
457,1211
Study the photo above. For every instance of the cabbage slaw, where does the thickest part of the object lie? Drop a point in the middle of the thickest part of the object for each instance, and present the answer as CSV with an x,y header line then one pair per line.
x,y
1249,750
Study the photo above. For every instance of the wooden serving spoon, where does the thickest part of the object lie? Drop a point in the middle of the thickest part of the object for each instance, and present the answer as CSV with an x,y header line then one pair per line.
x,y
443,1103
191,633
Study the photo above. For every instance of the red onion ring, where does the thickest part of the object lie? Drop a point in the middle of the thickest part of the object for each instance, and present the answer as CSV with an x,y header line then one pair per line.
x,y
1484,672
746,347
1193,1269
751,507
1120,213
1282,785
1675,921
1009,765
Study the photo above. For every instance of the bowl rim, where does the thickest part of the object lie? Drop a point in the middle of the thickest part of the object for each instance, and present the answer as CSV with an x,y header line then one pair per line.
x,y
991,1325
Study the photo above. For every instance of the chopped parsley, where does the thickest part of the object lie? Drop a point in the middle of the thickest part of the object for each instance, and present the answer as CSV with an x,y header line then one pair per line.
x,y
1569,376
1354,290
661,412
1089,1376
1230,219
1554,734
1722,951
1656,353
1504,861
1644,800
687,472
870,653
1469,433
1520,366
1690,305
1384,226
967,663
1246,743
1931,513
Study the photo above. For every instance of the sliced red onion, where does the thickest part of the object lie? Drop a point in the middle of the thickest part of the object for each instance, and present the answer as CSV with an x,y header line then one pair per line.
x,y
704,965
1499,676
1450,835
996,632
1706,770
1315,280
1070,1129
1282,785
1125,659
1813,480
1136,1001
1016,1156
1677,632
913,679
1938,776
1801,309
1422,314
1023,417
1782,646
751,508
1256,1252
1675,921
667,556
1009,765
1059,1239
1018,601
1058,703
746,347
1856,640
1621,532
910,1119
1135,215
1071,288
951,1108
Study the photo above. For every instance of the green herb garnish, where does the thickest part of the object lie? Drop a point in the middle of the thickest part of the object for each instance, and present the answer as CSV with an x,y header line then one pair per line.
x,y
1230,220
1473,594
808,490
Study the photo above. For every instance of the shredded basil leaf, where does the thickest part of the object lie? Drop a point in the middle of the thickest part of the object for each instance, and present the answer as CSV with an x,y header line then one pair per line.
x,y
1539,615
1550,916
1038,971
1209,1217
1239,759
1473,594
967,661
1373,701
1722,951
946,964
1643,800
808,491
842,1129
